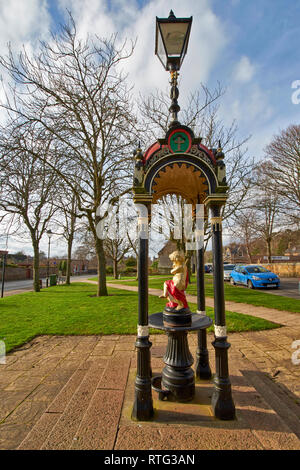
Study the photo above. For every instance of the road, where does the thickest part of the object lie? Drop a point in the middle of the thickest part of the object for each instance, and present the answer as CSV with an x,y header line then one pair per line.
x,y
26,285
289,287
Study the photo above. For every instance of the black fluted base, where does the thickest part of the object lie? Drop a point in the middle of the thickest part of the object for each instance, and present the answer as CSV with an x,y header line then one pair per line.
x,y
178,376
203,370
143,403
222,402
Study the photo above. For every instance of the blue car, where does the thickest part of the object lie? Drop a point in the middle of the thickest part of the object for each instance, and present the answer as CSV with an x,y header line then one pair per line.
x,y
254,276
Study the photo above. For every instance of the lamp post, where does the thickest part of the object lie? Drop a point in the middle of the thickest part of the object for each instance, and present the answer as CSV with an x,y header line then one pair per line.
x,y
171,42
4,255
49,233
172,38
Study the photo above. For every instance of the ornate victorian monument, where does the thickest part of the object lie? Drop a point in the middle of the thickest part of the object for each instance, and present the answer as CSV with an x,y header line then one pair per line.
x,y
180,164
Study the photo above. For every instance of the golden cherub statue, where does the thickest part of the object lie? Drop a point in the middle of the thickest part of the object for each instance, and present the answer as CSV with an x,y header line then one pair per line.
x,y
174,289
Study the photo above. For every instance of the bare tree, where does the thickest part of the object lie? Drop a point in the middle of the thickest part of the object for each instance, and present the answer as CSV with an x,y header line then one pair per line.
x,y
75,91
116,250
154,110
66,222
244,228
116,243
283,172
28,187
265,207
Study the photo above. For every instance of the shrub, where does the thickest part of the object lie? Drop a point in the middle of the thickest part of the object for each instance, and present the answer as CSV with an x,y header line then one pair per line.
x,y
130,262
129,270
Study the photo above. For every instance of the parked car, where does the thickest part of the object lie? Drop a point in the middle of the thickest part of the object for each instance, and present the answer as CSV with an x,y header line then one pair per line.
x,y
227,271
254,276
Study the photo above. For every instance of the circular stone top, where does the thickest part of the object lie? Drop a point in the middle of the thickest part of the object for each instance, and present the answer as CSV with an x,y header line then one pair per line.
x,y
199,322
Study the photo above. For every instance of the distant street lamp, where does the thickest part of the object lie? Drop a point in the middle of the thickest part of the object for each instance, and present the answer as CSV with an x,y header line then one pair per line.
x,y
49,233
4,255
171,42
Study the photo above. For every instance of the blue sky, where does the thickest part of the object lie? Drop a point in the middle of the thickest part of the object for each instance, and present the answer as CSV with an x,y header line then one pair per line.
x,y
250,46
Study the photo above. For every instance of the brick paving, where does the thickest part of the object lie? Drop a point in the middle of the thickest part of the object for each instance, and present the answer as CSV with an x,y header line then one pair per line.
x,y
76,392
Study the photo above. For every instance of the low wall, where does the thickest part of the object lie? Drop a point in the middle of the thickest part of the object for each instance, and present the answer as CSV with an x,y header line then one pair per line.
x,y
15,274
20,273
163,270
284,269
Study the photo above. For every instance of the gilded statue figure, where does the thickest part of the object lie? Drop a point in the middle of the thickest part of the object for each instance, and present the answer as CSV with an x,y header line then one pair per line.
x,y
174,289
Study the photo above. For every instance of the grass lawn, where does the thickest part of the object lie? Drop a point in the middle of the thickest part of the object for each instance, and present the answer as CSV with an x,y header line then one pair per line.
x,y
75,310
234,293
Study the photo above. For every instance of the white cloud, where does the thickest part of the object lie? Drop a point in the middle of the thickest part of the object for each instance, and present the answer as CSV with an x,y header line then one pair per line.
x,y
244,70
22,22
91,16
251,105
207,38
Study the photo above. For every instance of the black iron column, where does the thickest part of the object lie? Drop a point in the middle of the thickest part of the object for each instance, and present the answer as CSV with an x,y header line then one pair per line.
x,y
222,402
143,404
203,370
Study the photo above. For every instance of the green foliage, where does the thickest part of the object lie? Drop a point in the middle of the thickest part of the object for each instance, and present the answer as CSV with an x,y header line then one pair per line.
x,y
129,270
109,270
130,262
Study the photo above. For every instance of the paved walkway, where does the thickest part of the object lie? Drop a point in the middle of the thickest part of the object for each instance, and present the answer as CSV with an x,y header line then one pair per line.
x,y
76,392
278,316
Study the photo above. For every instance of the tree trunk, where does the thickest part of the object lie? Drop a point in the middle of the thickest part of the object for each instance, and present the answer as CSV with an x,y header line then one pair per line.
x,y
115,267
36,266
269,250
102,289
249,252
69,261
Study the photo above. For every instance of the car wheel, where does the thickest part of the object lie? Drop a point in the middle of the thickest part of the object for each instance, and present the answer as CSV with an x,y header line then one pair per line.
x,y
232,282
250,285
276,287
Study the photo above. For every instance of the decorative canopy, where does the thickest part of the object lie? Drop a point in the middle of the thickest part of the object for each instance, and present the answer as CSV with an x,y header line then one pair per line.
x,y
180,164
